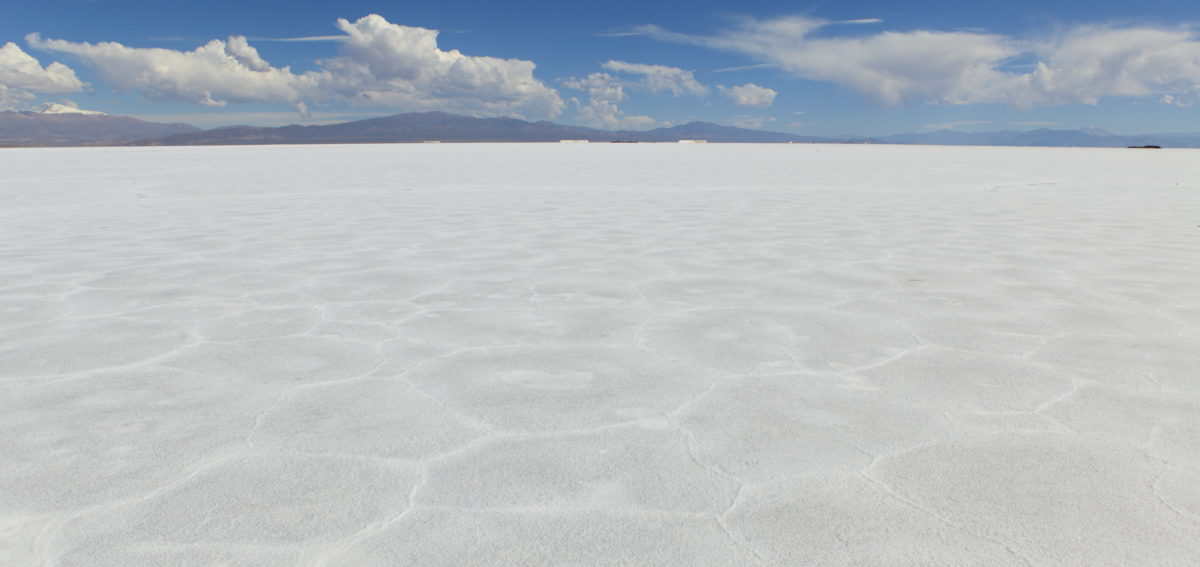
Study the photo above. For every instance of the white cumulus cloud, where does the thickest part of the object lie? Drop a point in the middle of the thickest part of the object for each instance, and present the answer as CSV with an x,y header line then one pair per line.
x,y
213,74
601,110
1083,65
393,65
750,94
1090,63
22,78
606,90
890,67
378,64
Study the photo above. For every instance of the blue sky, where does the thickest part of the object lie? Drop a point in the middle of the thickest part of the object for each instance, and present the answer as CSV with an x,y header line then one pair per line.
x,y
844,68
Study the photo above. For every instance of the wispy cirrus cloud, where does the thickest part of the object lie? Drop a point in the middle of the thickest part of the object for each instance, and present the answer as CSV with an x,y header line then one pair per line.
x,y
745,68
659,79
302,39
860,21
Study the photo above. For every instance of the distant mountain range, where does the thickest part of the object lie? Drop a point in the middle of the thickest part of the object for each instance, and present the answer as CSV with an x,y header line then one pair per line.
x,y
442,127
1087,137
59,125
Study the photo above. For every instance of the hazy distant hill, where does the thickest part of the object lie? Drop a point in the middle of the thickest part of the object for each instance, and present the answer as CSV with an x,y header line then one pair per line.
x,y
58,128
713,133
440,126
1087,137
58,125
423,126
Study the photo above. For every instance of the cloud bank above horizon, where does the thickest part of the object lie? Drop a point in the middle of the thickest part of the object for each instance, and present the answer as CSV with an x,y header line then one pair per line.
x,y
606,89
1082,65
378,64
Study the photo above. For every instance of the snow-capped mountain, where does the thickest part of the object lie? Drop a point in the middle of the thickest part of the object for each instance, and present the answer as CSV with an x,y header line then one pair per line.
x,y
53,124
56,108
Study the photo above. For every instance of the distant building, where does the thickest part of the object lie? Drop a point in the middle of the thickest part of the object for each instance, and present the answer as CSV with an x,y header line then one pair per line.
x,y
432,142
693,141
573,141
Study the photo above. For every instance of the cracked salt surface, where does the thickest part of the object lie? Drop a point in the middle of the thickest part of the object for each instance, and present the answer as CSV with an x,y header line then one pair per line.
x,y
599,355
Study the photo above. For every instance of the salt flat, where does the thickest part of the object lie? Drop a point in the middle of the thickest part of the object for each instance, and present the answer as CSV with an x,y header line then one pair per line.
x,y
599,355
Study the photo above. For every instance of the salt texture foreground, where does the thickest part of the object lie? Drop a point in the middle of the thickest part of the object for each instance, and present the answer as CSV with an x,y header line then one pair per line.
x,y
599,355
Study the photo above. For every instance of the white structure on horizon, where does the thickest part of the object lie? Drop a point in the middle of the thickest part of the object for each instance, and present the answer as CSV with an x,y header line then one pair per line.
x,y
432,142
693,141
574,141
